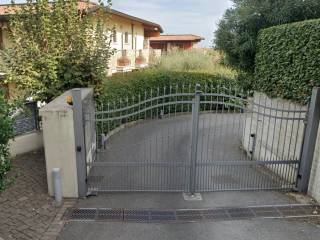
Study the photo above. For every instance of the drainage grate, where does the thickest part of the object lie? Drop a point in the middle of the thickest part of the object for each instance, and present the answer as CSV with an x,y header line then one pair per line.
x,y
191,215
84,214
110,215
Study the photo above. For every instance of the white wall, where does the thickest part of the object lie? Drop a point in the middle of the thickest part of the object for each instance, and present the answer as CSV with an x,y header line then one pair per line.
x,y
280,140
314,184
26,143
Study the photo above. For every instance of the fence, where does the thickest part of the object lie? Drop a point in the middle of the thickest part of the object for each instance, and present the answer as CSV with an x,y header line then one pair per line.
x,y
26,120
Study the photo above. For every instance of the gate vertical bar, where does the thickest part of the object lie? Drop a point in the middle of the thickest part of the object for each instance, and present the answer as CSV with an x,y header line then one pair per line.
x,y
309,142
79,142
194,140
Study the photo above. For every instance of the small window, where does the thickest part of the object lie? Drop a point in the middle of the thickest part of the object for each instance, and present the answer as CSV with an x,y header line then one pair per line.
x,y
1,39
114,36
126,37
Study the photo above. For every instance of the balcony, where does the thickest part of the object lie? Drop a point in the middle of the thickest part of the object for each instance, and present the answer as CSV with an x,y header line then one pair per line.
x,y
129,60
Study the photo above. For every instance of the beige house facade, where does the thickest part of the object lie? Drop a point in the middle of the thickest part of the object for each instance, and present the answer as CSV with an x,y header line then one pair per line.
x,y
130,40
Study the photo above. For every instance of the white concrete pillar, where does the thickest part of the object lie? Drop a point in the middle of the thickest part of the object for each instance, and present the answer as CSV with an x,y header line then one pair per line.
x,y
59,144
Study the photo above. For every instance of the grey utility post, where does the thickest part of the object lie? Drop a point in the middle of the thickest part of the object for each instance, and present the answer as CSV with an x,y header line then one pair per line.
x,y
309,143
80,142
194,140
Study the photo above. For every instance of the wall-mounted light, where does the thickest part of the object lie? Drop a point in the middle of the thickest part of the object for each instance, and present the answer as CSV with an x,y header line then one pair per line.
x,y
70,100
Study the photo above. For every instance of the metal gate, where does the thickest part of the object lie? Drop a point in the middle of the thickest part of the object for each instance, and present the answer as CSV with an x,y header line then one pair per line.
x,y
194,139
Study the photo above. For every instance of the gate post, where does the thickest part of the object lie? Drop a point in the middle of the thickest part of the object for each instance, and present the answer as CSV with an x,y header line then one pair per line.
x,y
79,142
309,142
194,139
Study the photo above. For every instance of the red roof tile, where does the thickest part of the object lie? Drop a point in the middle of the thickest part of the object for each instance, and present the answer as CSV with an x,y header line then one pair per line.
x,y
8,9
187,37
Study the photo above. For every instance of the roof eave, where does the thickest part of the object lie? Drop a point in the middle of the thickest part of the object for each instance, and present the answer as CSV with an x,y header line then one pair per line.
x,y
145,22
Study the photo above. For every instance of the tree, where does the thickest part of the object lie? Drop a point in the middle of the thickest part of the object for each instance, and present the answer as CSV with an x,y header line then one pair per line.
x,y
56,46
239,28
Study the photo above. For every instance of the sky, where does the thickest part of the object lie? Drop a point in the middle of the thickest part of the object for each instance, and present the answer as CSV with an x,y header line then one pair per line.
x,y
199,17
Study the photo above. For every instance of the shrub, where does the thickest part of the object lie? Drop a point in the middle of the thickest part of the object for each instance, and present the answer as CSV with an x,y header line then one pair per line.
x,y
132,84
55,47
238,29
195,61
287,62
6,133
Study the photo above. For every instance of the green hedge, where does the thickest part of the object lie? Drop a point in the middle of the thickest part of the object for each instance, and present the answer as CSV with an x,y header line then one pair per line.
x,y
132,84
6,133
288,60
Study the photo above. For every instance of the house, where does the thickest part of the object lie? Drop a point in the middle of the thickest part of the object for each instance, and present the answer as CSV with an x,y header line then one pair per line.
x,y
168,42
131,39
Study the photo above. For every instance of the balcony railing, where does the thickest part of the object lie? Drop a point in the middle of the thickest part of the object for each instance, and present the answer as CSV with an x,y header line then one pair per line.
x,y
128,60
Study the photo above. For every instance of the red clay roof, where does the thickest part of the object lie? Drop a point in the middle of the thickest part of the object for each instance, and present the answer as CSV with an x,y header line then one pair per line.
x,y
8,9
186,37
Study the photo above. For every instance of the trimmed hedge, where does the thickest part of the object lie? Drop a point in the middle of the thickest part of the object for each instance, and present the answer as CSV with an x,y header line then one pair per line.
x,y
288,60
132,84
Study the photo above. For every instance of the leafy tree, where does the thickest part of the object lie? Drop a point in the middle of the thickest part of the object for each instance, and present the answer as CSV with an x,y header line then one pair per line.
x,y
238,30
6,133
55,47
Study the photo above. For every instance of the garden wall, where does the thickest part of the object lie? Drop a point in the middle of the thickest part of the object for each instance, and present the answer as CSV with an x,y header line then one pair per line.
x,y
277,139
26,143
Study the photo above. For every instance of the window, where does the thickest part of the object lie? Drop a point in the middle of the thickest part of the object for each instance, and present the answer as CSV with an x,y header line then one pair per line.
x,y
126,37
1,39
114,36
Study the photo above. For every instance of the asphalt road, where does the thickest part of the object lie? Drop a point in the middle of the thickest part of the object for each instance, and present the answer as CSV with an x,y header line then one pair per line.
x,y
258,229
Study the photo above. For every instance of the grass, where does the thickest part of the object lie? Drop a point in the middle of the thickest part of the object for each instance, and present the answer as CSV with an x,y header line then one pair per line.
x,y
196,60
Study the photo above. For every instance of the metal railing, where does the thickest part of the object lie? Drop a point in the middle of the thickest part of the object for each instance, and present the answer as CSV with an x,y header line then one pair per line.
x,y
183,138
26,119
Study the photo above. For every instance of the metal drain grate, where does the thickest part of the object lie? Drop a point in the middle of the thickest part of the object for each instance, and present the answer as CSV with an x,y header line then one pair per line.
x,y
110,215
164,216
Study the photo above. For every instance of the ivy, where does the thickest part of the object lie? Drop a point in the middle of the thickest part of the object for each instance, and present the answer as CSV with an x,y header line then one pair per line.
x,y
287,61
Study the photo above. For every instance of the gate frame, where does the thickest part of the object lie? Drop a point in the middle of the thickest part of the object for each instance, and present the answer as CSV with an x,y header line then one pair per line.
x,y
79,135
309,142
194,140
307,153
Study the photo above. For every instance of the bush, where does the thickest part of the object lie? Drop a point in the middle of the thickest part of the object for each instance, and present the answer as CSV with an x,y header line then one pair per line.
x,y
55,47
205,61
287,62
238,29
6,133
132,84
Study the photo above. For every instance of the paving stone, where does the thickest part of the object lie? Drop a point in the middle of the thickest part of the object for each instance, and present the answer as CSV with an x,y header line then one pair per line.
x,y
26,210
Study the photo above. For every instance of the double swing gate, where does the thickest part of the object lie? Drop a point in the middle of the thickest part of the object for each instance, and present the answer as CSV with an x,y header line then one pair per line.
x,y
194,139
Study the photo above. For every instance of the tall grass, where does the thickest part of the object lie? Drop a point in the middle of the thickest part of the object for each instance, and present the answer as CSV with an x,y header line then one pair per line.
x,y
196,60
